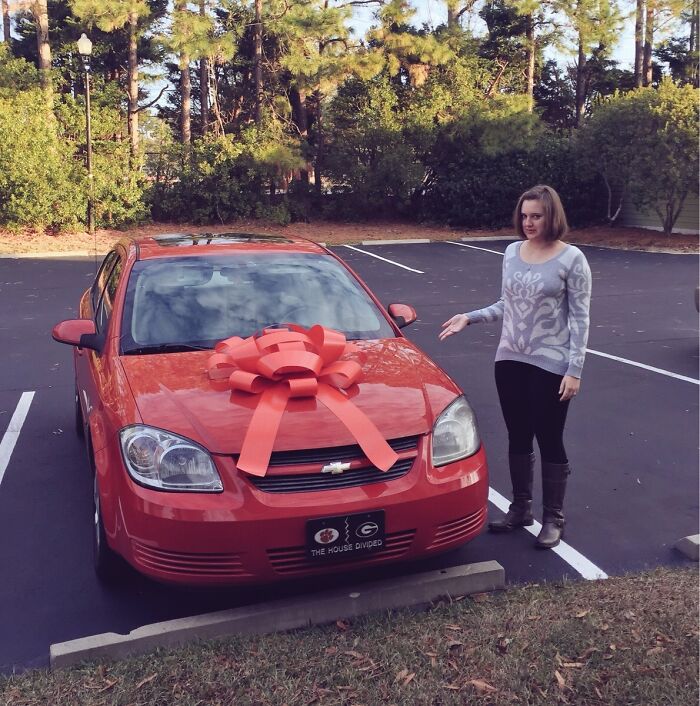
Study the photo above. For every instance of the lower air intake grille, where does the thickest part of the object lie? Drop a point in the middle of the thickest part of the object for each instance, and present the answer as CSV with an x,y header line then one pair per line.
x,y
187,564
292,560
309,482
452,532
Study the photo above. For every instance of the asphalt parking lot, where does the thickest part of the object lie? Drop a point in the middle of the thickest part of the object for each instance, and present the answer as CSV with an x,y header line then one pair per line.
x,y
632,436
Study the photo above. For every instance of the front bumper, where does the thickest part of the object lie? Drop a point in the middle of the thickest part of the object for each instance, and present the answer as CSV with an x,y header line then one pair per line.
x,y
245,535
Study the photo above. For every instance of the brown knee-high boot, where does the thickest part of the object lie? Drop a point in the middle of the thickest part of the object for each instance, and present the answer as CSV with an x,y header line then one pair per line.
x,y
520,512
554,477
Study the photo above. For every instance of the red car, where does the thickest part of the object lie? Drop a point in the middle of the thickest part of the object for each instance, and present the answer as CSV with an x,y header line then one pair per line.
x,y
340,445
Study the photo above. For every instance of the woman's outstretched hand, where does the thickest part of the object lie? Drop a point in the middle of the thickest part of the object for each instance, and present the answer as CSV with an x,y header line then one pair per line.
x,y
453,325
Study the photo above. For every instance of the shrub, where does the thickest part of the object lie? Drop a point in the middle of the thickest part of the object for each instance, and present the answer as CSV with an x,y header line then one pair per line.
x,y
37,173
222,179
481,164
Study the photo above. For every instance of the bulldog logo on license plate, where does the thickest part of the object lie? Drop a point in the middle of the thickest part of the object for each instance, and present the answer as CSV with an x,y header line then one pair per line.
x,y
345,536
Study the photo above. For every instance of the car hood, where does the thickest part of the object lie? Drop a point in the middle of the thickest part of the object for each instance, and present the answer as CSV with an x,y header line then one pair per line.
x,y
401,391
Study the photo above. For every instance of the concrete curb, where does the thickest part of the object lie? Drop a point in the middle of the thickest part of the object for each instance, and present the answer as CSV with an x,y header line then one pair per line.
x,y
287,614
689,546
398,241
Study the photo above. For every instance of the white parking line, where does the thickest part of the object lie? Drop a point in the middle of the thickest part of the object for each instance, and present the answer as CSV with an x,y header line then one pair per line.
x,y
10,437
379,257
575,559
633,363
646,367
473,247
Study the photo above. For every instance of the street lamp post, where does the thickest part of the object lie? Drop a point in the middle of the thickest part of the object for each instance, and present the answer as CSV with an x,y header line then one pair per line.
x,y
85,49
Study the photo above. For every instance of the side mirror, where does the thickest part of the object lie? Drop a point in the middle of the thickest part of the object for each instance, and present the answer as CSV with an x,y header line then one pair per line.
x,y
403,314
78,332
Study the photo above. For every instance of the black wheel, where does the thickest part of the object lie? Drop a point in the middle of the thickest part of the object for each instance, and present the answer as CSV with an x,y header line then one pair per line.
x,y
106,562
79,423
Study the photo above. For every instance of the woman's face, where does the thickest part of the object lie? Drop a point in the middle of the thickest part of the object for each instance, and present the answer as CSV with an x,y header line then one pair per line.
x,y
532,219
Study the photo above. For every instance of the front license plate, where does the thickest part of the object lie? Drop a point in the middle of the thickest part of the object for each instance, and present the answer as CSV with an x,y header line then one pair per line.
x,y
345,536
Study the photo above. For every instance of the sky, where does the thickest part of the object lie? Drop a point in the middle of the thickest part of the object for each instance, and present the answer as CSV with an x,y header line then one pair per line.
x,y
434,13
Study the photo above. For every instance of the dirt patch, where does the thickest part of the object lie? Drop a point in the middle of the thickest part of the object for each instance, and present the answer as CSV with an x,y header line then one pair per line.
x,y
335,233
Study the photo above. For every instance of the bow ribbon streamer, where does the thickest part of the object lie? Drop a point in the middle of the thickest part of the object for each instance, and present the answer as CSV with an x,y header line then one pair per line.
x,y
294,362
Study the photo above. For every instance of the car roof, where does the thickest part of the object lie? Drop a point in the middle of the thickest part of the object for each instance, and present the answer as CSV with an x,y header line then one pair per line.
x,y
189,244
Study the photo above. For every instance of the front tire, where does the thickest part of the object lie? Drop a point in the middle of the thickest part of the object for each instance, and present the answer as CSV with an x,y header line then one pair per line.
x,y
106,562
79,422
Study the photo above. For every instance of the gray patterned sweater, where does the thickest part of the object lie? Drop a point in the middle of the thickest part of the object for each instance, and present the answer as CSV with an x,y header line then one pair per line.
x,y
544,308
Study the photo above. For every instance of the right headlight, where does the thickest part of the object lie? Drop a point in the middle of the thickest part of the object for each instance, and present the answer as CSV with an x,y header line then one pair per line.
x,y
455,435
165,461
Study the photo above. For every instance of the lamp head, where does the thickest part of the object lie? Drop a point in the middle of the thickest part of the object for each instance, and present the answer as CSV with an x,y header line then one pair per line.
x,y
84,46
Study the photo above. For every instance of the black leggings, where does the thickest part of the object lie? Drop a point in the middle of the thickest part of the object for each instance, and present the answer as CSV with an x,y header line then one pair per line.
x,y
531,408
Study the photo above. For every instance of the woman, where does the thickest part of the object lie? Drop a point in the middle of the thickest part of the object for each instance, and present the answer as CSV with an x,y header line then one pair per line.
x,y
544,305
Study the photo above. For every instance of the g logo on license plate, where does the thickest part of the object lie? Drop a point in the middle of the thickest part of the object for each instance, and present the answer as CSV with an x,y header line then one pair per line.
x,y
327,535
367,529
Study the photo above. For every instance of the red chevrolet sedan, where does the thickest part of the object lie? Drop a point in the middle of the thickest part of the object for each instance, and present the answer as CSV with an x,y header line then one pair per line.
x,y
252,413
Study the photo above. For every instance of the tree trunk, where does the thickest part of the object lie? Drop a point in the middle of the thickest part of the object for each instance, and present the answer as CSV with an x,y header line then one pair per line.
x,y
693,46
204,80
297,99
648,44
41,15
6,20
580,83
258,62
185,87
530,36
638,43
133,87
318,167
219,125
452,16
186,90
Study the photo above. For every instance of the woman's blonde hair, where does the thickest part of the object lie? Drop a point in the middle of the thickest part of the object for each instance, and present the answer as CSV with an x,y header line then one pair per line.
x,y
555,223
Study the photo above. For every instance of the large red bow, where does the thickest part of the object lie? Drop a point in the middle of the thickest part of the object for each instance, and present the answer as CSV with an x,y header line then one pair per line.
x,y
294,362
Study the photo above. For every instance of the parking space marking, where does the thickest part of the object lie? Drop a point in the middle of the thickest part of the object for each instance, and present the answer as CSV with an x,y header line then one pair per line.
x,y
633,363
473,247
575,559
10,437
660,371
379,257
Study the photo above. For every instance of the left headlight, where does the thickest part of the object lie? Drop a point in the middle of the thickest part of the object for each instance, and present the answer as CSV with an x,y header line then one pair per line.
x,y
455,435
165,461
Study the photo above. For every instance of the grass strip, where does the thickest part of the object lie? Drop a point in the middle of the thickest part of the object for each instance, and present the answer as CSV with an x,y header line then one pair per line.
x,y
626,640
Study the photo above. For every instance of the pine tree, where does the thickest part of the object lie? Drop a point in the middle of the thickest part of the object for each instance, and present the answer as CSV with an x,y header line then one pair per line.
x,y
111,15
596,25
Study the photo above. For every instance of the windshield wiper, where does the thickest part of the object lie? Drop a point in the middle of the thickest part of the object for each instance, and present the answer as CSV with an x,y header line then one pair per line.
x,y
165,348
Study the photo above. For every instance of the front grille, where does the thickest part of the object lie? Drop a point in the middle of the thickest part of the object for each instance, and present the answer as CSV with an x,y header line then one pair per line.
x,y
335,453
451,532
189,564
309,482
289,561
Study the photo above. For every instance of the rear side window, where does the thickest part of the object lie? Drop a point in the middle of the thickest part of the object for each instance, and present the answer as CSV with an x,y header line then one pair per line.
x,y
106,303
101,278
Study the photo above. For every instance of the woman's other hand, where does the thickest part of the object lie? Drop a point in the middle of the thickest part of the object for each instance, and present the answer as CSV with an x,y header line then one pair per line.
x,y
453,325
568,388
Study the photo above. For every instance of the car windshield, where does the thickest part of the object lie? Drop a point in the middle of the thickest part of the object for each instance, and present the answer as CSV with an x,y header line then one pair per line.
x,y
186,303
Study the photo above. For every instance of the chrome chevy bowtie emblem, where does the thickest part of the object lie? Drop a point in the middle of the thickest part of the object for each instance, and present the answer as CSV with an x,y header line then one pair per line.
x,y
335,467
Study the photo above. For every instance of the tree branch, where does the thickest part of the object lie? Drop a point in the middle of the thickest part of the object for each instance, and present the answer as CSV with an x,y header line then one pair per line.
x,y
153,102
